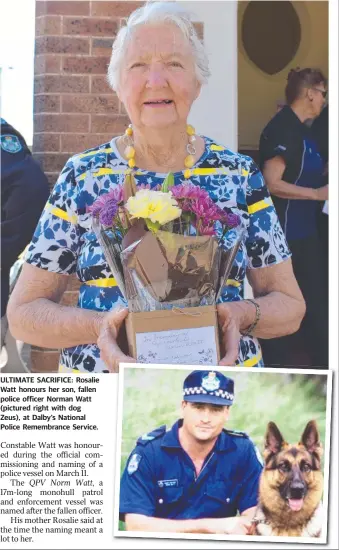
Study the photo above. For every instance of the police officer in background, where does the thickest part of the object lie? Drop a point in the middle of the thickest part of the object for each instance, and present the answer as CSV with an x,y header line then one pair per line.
x,y
293,170
24,192
195,477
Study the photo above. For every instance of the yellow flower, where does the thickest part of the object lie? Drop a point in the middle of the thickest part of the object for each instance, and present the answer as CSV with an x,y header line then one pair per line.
x,y
155,206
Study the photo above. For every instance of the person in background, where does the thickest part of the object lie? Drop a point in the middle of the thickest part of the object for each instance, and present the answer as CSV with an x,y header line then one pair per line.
x,y
24,192
320,133
293,171
197,476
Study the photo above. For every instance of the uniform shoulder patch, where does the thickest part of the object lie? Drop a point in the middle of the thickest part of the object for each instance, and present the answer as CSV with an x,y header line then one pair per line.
x,y
147,437
237,433
133,463
11,143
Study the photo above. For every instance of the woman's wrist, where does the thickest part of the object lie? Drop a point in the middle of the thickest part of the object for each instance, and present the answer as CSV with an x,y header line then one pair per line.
x,y
97,323
250,329
243,313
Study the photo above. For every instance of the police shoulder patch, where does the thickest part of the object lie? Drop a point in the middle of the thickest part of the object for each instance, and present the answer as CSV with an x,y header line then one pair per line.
x,y
147,437
10,143
133,463
237,433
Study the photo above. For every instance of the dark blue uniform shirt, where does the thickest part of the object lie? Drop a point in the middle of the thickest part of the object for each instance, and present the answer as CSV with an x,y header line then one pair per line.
x,y
24,192
287,137
160,481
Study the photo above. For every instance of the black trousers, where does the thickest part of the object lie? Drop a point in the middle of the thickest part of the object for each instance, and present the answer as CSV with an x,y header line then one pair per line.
x,y
308,347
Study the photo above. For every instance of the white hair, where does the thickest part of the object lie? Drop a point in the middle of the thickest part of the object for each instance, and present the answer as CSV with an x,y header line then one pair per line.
x,y
158,12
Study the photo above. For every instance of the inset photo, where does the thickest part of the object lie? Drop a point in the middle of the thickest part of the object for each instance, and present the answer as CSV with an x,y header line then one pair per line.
x,y
226,454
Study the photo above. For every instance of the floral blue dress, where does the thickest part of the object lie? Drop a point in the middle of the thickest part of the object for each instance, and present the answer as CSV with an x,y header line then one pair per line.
x,y
65,243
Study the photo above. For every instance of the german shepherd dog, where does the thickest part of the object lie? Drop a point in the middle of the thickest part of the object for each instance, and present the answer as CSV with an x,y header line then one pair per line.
x,y
291,486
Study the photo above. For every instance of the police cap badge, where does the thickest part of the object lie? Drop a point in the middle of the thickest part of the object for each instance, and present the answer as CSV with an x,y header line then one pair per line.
x,y
210,386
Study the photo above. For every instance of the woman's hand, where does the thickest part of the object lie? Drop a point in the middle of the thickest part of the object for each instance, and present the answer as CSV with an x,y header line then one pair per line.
x,y
321,194
110,352
230,328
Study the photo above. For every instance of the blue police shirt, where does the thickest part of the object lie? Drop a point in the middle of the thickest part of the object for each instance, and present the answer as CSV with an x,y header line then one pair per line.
x,y
24,192
160,481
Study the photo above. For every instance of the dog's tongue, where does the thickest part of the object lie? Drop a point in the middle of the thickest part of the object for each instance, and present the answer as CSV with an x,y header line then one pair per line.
x,y
295,504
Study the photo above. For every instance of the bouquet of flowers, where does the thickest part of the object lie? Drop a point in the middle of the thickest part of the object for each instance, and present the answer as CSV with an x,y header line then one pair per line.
x,y
172,246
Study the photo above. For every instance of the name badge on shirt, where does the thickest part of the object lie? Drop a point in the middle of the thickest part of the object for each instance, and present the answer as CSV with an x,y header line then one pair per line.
x,y
168,483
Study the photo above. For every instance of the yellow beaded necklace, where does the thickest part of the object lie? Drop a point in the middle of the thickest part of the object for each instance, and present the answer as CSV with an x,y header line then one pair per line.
x,y
190,148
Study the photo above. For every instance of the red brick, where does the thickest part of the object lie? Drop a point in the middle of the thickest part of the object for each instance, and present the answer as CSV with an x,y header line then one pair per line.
x,y
89,104
61,84
52,178
61,123
101,46
99,85
47,103
109,124
48,24
76,143
51,162
89,26
45,64
62,7
40,7
85,65
46,142
45,361
114,8
61,44
69,298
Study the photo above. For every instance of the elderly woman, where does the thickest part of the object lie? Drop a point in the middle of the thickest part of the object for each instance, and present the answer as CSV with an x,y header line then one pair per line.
x,y
157,68
294,173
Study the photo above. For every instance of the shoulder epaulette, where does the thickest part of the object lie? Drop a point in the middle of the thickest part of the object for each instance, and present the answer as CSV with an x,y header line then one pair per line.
x,y
148,437
236,433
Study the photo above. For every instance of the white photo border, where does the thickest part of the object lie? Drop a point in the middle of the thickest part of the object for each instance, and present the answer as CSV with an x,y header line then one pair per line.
x,y
246,538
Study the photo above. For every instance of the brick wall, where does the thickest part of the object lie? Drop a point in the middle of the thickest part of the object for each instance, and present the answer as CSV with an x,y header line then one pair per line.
x,y
74,108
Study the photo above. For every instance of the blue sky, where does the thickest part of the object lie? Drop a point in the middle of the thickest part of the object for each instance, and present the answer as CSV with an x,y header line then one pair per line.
x,y
17,51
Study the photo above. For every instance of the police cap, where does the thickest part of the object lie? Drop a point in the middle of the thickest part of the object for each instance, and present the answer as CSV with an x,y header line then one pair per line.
x,y
208,386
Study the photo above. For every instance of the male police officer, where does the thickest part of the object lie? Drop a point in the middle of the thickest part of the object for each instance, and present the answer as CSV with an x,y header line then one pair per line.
x,y
24,192
197,476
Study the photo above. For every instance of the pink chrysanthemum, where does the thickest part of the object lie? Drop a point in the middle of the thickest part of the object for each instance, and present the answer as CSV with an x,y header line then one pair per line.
x,y
205,210
189,191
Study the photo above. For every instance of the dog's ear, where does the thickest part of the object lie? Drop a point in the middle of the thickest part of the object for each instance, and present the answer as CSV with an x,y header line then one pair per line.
x,y
274,440
310,438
